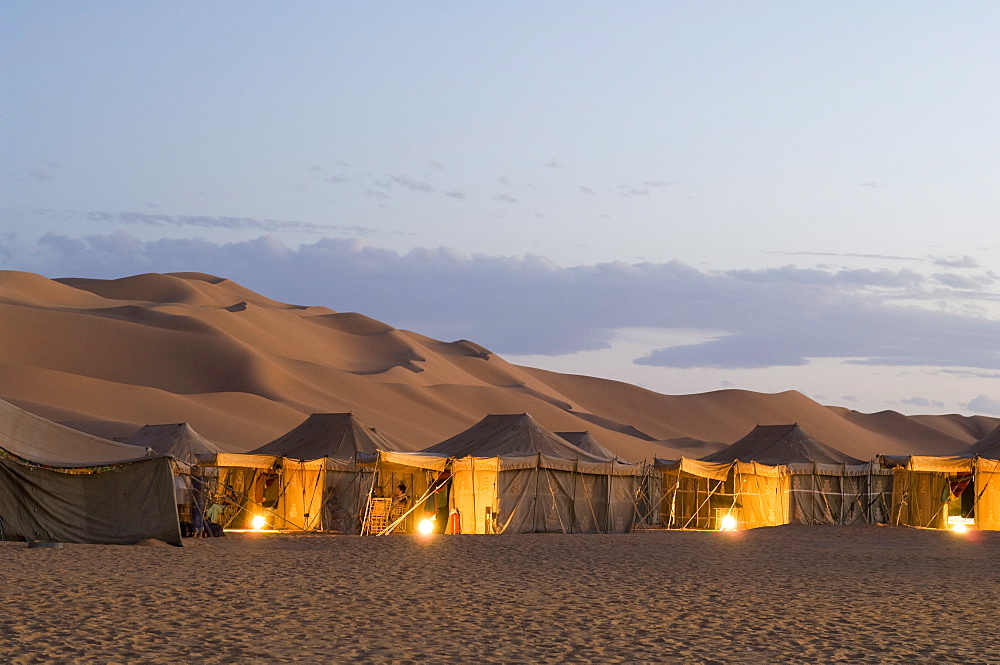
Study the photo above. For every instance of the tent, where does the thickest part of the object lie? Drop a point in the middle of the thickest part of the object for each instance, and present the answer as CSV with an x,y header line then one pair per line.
x,y
587,443
193,486
776,474
510,474
942,491
317,476
179,440
59,484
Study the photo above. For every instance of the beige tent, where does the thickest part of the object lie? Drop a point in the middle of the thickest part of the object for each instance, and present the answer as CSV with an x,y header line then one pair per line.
x,y
776,474
510,474
62,485
939,492
317,476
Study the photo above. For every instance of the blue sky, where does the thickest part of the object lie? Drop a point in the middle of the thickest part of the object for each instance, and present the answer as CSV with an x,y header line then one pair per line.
x,y
683,195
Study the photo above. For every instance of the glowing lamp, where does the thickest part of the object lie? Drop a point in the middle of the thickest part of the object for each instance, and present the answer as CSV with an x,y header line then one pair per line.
x,y
727,523
258,522
426,527
959,527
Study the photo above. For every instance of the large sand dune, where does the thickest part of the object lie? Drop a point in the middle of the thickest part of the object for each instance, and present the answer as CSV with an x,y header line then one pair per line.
x,y
108,356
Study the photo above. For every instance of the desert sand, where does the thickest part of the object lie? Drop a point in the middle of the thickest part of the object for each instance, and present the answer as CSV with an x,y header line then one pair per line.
x,y
109,356
859,594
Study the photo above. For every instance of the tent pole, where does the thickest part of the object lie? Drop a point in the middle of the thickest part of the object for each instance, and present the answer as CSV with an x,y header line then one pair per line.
x,y
608,526
534,499
572,503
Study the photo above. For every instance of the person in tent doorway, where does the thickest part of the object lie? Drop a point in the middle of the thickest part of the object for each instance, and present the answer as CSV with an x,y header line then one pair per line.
x,y
400,503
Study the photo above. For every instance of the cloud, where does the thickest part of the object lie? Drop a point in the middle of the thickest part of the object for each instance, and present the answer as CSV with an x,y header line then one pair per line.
x,y
406,182
44,174
553,164
505,197
586,190
922,402
849,398
984,404
872,183
846,255
232,223
956,262
530,305
964,282
455,195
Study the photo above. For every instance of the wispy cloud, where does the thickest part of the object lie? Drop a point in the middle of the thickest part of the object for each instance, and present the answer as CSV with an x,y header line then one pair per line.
x,y
410,184
43,173
505,197
231,223
851,255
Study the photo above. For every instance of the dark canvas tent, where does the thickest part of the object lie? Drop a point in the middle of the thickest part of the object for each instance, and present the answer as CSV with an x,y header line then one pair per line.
x,y
587,443
777,474
941,491
63,485
336,435
317,476
194,487
511,474
179,440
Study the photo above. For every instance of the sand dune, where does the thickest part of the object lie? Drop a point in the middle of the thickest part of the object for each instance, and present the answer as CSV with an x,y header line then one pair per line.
x,y
109,356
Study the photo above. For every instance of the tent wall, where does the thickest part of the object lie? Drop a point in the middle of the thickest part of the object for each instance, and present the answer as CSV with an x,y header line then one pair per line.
x,y
120,505
344,496
474,494
987,488
827,499
688,500
760,500
917,499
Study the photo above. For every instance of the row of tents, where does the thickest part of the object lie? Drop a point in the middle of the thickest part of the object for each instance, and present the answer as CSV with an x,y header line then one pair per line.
x,y
505,474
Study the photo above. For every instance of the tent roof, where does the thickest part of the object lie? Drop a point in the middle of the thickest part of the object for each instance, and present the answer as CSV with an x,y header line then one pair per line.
x,y
780,444
988,446
510,435
587,443
178,440
42,441
335,435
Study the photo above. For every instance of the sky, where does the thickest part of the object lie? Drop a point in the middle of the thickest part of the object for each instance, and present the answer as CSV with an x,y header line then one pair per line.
x,y
687,196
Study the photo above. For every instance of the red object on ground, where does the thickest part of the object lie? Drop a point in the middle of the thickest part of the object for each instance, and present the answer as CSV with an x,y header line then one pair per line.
x,y
455,522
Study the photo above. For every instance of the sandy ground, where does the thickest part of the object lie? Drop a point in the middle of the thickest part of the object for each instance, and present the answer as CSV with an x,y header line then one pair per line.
x,y
786,594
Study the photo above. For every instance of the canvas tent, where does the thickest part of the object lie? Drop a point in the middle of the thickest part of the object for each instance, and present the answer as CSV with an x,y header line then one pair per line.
x,y
512,475
587,443
59,484
941,491
193,486
317,476
776,474
179,440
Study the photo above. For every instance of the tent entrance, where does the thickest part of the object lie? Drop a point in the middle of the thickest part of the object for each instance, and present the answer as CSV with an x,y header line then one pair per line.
x,y
961,499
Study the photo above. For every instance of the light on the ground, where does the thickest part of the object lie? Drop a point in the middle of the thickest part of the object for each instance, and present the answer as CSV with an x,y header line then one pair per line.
x,y
728,523
958,527
258,522
426,527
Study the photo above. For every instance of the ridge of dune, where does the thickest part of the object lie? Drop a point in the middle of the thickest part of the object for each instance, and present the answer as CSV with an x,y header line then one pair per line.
x,y
109,355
